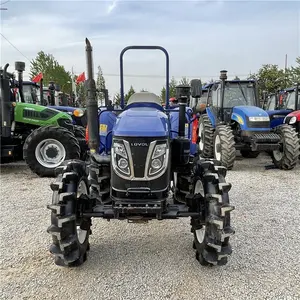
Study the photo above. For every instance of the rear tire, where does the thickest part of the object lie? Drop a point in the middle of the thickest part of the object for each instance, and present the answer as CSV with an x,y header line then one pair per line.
x,y
224,146
70,232
211,238
287,157
206,134
249,153
62,145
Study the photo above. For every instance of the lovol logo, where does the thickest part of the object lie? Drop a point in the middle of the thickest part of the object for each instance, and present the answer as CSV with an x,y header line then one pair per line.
x,y
139,144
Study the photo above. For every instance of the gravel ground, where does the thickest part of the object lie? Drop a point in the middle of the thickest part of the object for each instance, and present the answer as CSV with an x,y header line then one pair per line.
x,y
156,260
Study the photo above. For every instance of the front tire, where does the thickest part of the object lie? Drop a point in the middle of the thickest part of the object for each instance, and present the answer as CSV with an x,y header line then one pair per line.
x,y
287,157
211,238
70,232
46,148
224,146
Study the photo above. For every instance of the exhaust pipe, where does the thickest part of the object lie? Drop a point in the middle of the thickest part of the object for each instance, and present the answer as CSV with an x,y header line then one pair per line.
x,y
223,78
92,105
20,67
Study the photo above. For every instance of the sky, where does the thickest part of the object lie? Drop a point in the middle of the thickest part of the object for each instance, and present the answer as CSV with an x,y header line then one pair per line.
x,y
201,37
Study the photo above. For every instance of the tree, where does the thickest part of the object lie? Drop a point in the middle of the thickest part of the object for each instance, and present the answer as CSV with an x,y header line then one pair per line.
x,y
172,90
129,93
117,99
143,90
172,87
163,95
295,72
100,84
52,71
271,78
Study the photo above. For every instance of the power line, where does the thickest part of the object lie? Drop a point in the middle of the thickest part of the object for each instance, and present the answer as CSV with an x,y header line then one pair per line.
x,y
15,47
163,76
4,2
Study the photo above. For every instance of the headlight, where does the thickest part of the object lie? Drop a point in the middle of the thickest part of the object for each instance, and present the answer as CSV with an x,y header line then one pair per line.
x,y
259,119
293,120
120,159
159,159
78,112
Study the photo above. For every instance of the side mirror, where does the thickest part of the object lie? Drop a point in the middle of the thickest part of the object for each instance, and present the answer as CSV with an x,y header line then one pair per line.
x,y
196,88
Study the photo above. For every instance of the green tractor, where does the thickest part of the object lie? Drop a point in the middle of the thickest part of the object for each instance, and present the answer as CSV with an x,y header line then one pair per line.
x,y
45,137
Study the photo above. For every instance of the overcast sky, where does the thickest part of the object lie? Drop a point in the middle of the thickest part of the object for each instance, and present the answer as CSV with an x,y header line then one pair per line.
x,y
202,37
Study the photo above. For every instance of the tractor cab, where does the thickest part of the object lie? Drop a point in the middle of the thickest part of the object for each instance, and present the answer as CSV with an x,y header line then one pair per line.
x,y
31,92
293,103
282,103
224,96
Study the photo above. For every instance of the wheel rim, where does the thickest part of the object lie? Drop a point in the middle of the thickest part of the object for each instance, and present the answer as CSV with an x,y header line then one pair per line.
x,y
81,189
201,135
277,155
217,147
200,233
50,153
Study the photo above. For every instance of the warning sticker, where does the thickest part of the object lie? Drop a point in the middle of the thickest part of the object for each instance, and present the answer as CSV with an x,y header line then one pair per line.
x,y
103,129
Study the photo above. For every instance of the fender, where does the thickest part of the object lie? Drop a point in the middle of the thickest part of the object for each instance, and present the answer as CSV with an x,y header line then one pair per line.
x,y
211,116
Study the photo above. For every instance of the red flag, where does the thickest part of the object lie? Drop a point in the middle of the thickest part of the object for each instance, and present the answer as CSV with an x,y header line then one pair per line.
x,y
37,78
80,78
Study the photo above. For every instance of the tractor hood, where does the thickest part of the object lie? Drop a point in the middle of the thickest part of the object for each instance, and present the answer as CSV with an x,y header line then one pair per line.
x,y
250,111
141,122
251,118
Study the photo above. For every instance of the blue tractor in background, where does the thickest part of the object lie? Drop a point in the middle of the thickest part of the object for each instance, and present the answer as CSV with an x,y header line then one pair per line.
x,y
135,154
233,121
282,103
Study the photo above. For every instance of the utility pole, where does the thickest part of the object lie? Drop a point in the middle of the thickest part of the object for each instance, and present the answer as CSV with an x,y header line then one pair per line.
x,y
285,70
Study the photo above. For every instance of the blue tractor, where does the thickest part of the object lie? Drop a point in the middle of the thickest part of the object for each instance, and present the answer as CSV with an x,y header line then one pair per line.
x,y
134,155
233,121
282,103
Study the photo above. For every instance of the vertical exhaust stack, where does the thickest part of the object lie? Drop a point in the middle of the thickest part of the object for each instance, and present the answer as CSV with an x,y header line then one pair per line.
x,y
223,78
182,94
20,67
92,105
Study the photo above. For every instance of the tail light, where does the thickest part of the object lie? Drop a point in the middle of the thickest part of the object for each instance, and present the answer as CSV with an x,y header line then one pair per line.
x,y
195,131
86,134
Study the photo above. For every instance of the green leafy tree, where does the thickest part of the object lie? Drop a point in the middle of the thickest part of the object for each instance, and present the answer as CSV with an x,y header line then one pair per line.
x,y
163,95
295,72
100,84
130,92
52,71
172,90
117,99
271,78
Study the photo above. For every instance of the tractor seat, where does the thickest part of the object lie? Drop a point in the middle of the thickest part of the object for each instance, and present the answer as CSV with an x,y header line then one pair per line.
x,y
144,97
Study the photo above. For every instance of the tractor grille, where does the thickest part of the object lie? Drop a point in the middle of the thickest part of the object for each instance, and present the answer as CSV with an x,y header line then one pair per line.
x,y
139,150
266,138
257,124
